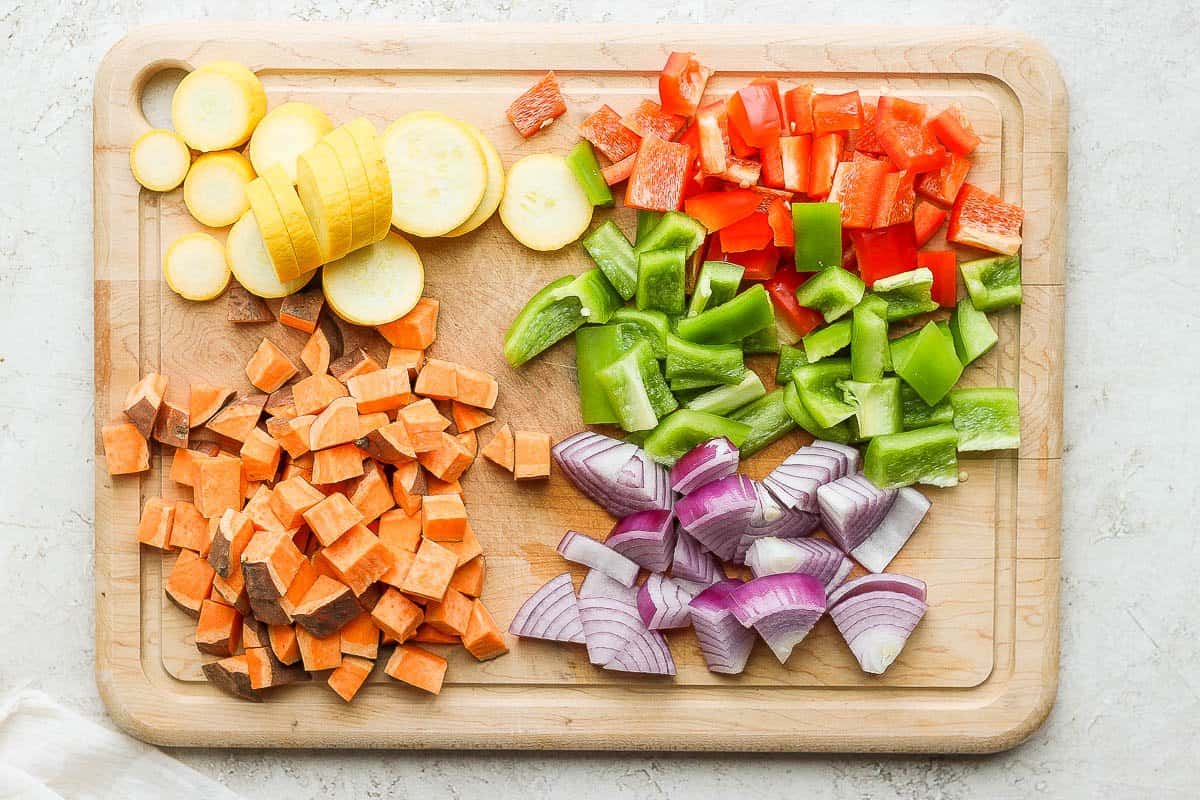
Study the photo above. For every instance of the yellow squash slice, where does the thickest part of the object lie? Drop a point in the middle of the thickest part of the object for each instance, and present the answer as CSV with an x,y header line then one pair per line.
x,y
304,241
495,184
366,140
274,231
214,190
377,284
286,132
159,160
544,207
194,267
217,106
251,263
322,188
438,173
355,172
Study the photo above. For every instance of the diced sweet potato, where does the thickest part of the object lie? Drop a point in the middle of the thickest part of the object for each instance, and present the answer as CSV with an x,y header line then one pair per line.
x,y
372,422
302,309
468,578
291,498
370,493
232,675
239,417
282,639
402,561
400,529
356,362
348,678
469,442
306,576
182,468
476,388
234,532
291,434
143,400
409,360
267,671
483,638
154,528
260,456
326,608
281,404
444,518
313,394
219,630
408,484
171,427
501,449
269,564
396,615
190,581
232,590
417,329
317,653
449,460
531,455
435,486
424,425
254,634
468,418
205,401
431,571
427,634
360,637
188,527
337,464
358,558
438,379
332,517
466,549
337,424
388,443
245,308
450,614
417,667
316,355
125,449
380,390
269,367
218,485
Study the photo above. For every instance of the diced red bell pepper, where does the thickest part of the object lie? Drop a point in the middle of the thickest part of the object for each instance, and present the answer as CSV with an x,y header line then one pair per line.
x,y
752,232
712,250
757,265
649,118
953,129
779,215
540,105
896,200
619,171
681,84
691,138
773,86
755,114
604,130
836,112
712,126
798,109
701,184
796,154
766,195
782,290
826,151
908,142
659,172
849,257
941,186
944,266
927,220
741,171
771,157
858,187
737,145
982,220
867,140
717,210
882,252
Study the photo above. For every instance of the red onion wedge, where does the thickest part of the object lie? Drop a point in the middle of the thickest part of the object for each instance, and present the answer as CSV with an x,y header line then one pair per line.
x,y
850,454
609,615
772,518
724,642
876,614
893,532
598,556
782,608
816,557
617,475
691,562
706,462
647,538
647,654
794,482
662,603
851,508
551,613
718,513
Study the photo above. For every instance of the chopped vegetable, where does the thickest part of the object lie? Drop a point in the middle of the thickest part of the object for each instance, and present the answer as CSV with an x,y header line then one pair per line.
x,y
660,280
595,555
544,206
986,418
870,354
551,613
827,341
782,608
907,293
719,210
816,557
663,604
537,107
659,171
637,392
556,311
376,284
794,483
883,252
927,221
900,125
768,419
817,388
732,321
685,429
993,283
943,264
652,327
716,513
930,365
717,283
583,163
895,529
980,219
708,461
818,235
159,160
616,475
833,291
194,267
926,455
217,106
877,406
724,642
729,398
646,537
972,331
942,186
793,319
857,188
876,614
604,130
615,257
681,84
755,114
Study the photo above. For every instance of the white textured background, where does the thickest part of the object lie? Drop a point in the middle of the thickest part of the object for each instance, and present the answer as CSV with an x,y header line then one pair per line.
x,y
1127,722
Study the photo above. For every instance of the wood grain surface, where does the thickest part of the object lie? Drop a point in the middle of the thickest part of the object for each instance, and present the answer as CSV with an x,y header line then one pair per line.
x,y
979,673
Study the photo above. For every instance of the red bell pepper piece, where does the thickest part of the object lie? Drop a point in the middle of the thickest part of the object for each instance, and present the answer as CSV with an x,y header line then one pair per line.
x,y
540,105
826,152
908,142
798,109
771,157
772,86
615,173
897,199
982,220
754,114
858,187
737,145
836,112
659,172
953,129
717,210
649,118
796,154
941,186
740,171
766,194
757,265
712,251
712,126
782,290
752,232
944,266
883,252
691,138
927,219
867,140
779,216
604,130
681,84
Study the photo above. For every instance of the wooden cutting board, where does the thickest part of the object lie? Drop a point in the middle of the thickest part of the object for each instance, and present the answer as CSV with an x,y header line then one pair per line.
x,y
980,672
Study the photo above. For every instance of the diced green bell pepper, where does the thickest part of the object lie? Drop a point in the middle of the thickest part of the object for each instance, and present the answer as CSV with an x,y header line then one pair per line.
x,y
674,230
906,294
833,291
877,406
765,342
717,283
685,386
636,390
842,432
646,220
653,326
972,331
596,348
716,363
789,358
583,163
919,414
993,283
556,311
614,255
597,297
769,422
931,366
817,385
870,355
902,345
827,341
724,399
660,280
747,313
927,455
818,235
986,419
681,431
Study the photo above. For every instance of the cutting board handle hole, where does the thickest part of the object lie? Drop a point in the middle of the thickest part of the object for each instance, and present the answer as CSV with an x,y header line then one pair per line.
x,y
154,99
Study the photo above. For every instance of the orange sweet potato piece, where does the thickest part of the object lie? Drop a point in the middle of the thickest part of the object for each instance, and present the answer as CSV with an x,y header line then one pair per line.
x,y
190,581
348,678
171,426
302,310
435,486
400,529
417,329
396,615
317,653
407,359
219,630
232,590
314,393
424,425
431,571
476,388
282,639
143,400
125,449
258,509
244,308
448,461
291,498
326,608
154,528
358,558
260,456
281,404
269,564
531,455
501,449
360,637
483,638
466,549
469,442
239,417
370,493
204,401
332,517
337,424
182,468
402,561
451,614
232,675
234,532
306,576
444,518
337,464
468,418
317,353
388,443
427,634
416,667
408,483
267,671
372,422
218,485
269,367
438,379
188,528
292,434
254,634
352,364
468,578
380,390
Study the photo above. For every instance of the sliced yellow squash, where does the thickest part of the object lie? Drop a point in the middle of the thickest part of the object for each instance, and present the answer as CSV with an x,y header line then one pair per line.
x,y
274,231
251,262
304,241
377,284
438,173
366,140
325,196
195,268
214,190
286,132
495,184
159,159
355,172
217,106
544,207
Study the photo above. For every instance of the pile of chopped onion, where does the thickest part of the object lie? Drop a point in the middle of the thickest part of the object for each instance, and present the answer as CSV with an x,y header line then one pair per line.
x,y
876,614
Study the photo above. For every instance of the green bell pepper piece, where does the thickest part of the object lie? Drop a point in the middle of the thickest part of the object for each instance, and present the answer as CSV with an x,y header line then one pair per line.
x,y
833,291
614,255
684,429
660,280
931,366
717,283
827,341
583,163
818,235
636,391
986,419
906,294
993,283
747,313
714,363
765,342
675,229
646,220
768,420
877,406
596,348
653,326
870,355
919,414
817,385
789,358
685,386
842,433
927,455
901,346
972,332
725,399
554,313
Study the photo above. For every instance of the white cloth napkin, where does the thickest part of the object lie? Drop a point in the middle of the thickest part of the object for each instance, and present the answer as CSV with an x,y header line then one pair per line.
x,y
50,753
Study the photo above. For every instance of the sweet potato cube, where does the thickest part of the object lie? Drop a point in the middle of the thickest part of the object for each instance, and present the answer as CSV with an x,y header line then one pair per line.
x,y
291,498
380,390
427,634
360,637
438,379
218,485
319,653
260,456
337,424
424,424
407,359
531,455
125,449
370,493
270,563
244,308
269,367
352,364
270,611
171,426
306,576
219,630
402,561
358,558
143,400
417,667
292,434
469,442
372,422
281,403
483,638
388,443
450,614
190,581
205,401
466,549
154,528
400,529
254,634
444,518
435,486
181,470
282,639
417,329
326,607
431,571
348,678
313,394
396,615
476,388
501,450
448,461
239,417
337,464
317,354
302,310
332,517
408,482
232,675
468,578
188,528
468,418
234,532
267,671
